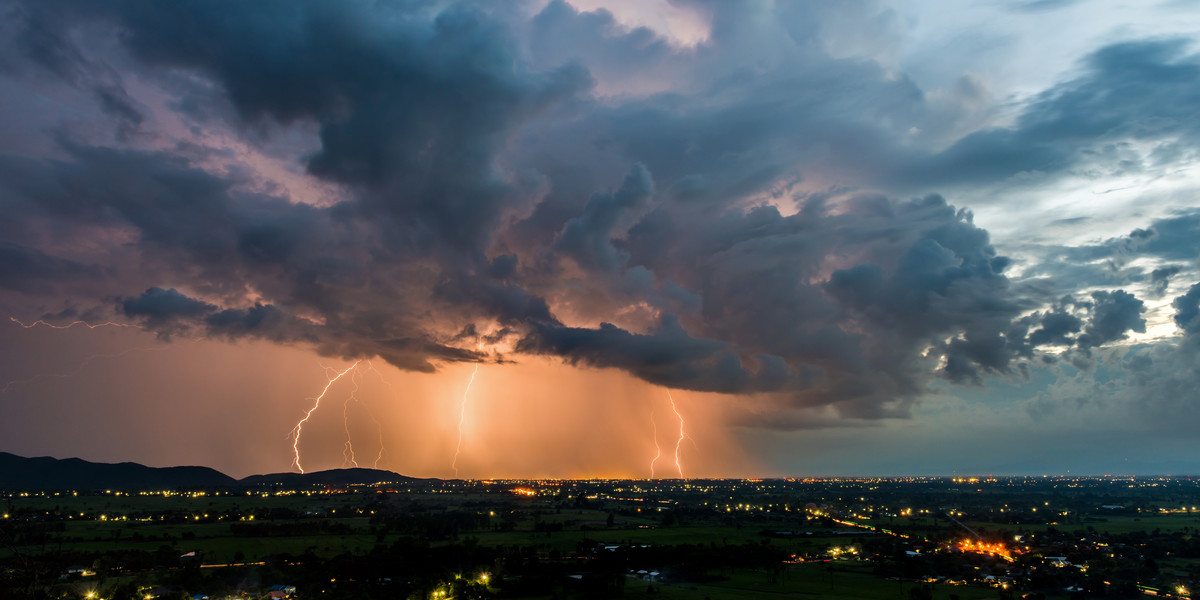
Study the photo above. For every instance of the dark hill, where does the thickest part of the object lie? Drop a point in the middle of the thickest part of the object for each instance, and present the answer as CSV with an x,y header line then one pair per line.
x,y
356,476
46,473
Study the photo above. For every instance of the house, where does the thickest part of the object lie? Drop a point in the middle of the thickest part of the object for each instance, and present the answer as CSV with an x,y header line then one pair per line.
x,y
281,591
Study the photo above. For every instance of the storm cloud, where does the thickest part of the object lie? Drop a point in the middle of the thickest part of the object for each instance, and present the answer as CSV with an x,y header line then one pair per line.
x,y
756,215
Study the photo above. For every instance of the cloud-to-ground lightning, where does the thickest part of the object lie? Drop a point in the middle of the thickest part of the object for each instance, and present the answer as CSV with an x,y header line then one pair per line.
x,y
378,425
295,433
348,457
462,415
682,435
654,429
379,430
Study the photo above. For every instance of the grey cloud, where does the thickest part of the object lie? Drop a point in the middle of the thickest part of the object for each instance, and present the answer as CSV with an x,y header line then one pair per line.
x,y
114,100
160,306
588,238
503,267
1135,90
1161,278
259,321
508,304
26,269
1170,242
1057,327
1176,237
1187,311
667,356
1112,315
560,35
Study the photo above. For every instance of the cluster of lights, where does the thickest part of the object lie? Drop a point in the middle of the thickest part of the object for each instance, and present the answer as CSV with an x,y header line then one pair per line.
x,y
981,547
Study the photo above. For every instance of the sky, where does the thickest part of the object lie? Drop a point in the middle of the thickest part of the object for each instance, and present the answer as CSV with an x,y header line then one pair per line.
x,y
647,238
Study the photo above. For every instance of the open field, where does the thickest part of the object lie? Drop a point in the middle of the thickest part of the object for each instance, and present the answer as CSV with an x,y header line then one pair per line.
x,y
815,582
708,540
1114,525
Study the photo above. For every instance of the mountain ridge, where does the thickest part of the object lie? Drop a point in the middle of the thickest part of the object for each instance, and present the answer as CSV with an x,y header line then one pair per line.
x,y
46,473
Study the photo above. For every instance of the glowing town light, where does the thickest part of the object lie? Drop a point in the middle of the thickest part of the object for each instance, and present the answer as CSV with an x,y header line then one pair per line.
x,y
462,415
682,435
295,433
654,428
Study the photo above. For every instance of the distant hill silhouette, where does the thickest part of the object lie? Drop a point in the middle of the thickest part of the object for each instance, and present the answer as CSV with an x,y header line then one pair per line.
x,y
357,476
46,473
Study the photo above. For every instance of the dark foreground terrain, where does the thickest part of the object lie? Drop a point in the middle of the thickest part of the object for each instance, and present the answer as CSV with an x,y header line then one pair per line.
x,y
1051,537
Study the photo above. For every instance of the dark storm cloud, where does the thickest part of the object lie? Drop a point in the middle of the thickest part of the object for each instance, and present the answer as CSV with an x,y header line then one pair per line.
x,y
413,101
918,272
588,238
1113,314
666,356
165,198
260,321
159,306
487,192
508,304
1057,328
26,269
1187,311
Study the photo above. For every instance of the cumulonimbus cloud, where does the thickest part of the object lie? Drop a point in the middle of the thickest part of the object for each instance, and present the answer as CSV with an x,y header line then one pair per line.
x,y
487,190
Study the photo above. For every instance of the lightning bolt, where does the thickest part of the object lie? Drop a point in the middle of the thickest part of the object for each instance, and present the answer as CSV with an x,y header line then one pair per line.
x,y
68,325
295,433
654,428
682,435
348,449
379,429
348,455
462,415
378,425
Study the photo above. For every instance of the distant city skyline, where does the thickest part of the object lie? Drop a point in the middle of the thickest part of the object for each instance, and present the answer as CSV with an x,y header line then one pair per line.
x,y
602,239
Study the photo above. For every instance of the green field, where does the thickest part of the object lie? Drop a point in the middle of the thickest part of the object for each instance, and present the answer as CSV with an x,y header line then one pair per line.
x,y
848,581
1115,525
